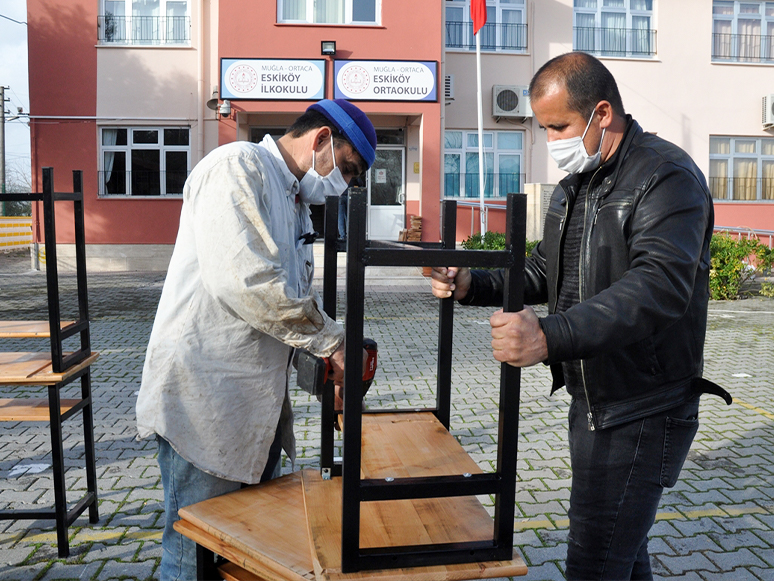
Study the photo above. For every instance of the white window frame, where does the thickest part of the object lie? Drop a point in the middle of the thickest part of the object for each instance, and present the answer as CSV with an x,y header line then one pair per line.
x,y
494,35
598,11
757,156
348,12
733,49
124,29
127,150
490,148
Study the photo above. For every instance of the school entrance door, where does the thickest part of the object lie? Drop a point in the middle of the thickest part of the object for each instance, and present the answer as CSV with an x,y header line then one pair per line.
x,y
387,194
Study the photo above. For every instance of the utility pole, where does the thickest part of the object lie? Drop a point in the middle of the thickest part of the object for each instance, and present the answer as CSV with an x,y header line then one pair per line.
x,y
2,145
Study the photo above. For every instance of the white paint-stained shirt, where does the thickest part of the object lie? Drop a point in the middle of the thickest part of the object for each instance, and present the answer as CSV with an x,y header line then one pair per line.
x,y
237,299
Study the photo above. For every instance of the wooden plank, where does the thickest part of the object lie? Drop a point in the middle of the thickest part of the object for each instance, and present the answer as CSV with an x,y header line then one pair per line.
x,y
35,368
265,523
437,521
27,329
31,410
234,555
403,445
411,445
231,572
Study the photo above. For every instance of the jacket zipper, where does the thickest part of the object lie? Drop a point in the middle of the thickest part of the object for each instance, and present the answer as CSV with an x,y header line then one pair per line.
x,y
590,415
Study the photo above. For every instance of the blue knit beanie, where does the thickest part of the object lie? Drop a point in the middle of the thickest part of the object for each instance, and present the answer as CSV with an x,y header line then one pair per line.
x,y
353,123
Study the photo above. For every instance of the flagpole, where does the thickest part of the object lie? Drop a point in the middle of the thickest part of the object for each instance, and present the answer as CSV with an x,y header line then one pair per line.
x,y
480,133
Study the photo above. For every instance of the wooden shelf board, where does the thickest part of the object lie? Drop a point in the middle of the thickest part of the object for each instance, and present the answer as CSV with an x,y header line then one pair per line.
x,y
27,329
31,410
27,368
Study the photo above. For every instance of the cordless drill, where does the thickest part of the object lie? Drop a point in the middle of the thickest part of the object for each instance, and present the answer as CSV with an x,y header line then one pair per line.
x,y
313,371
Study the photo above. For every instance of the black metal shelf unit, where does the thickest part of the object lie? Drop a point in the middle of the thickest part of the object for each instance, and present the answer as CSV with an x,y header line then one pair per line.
x,y
61,362
502,483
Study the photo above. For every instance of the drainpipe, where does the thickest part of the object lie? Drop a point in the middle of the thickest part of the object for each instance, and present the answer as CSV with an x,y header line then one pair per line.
x,y
202,96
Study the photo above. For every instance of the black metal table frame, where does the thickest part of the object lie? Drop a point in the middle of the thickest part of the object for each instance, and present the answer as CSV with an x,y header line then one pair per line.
x,y
61,362
501,483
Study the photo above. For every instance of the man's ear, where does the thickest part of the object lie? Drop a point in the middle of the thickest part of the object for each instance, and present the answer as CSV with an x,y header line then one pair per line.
x,y
605,114
322,136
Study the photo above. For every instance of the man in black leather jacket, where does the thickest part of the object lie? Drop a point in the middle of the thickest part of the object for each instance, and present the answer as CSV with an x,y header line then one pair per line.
x,y
624,266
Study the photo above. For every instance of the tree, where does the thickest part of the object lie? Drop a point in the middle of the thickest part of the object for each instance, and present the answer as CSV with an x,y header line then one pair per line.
x,y
17,181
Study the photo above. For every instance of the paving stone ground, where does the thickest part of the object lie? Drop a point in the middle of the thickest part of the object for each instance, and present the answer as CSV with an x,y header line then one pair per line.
x,y
717,523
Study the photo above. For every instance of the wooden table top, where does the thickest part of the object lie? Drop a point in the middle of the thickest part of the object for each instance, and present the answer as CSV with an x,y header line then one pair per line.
x,y
290,528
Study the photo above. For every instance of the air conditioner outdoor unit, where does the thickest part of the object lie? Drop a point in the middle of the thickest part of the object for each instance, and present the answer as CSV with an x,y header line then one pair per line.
x,y
767,117
510,101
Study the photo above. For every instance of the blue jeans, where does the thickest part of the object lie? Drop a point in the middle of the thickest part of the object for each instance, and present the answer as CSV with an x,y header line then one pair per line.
x,y
618,475
184,484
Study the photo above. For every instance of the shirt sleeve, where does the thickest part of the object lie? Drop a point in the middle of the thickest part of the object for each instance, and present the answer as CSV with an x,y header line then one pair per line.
x,y
241,258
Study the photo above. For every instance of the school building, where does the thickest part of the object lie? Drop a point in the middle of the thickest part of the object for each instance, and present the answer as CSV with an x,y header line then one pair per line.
x,y
136,92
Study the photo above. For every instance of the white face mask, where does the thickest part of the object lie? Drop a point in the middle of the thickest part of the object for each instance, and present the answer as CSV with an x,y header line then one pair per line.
x,y
314,187
570,154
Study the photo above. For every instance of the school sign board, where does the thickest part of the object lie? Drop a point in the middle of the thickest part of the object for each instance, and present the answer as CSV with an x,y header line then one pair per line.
x,y
272,79
385,80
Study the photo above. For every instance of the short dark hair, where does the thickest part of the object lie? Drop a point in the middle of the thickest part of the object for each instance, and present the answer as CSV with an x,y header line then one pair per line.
x,y
312,120
586,79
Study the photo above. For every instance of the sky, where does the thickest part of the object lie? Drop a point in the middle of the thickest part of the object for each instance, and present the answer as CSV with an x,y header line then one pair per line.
x,y
13,76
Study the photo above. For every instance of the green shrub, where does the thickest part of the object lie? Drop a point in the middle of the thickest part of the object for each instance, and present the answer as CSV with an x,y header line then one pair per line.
x,y
734,262
492,241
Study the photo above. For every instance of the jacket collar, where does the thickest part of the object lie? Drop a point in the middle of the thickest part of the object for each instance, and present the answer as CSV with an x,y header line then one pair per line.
x,y
612,166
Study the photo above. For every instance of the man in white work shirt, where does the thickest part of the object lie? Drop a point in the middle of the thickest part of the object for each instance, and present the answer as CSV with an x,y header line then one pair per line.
x,y
236,301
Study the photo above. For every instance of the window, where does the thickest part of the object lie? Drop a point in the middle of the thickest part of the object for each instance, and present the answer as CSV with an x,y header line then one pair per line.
x,y
622,28
503,152
743,31
742,168
329,11
141,22
144,161
505,28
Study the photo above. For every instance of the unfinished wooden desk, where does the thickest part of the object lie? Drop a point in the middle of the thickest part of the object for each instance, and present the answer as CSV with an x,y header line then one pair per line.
x,y
290,528
403,501
55,369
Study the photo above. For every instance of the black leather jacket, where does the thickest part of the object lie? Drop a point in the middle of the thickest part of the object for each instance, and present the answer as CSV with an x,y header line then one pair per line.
x,y
644,281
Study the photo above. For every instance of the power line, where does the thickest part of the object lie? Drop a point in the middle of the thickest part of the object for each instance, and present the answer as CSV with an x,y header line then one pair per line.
x,y
12,20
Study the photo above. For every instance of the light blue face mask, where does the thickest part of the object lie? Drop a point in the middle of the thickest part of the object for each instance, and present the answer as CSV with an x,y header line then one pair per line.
x,y
315,188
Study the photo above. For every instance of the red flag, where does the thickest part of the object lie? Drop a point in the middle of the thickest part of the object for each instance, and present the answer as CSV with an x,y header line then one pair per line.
x,y
478,14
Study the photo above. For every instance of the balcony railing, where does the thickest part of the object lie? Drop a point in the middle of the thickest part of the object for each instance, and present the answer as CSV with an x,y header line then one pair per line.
x,y
743,48
498,36
142,30
496,185
141,183
623,42
742,189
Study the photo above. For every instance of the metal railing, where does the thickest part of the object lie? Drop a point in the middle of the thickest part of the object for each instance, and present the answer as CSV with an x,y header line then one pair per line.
x,y
153,30
496,185
748,48
141,183
624,42
747,233
494,36
741,189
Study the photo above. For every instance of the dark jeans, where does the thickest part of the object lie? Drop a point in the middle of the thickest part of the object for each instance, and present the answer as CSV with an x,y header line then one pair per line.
x,y
618,475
